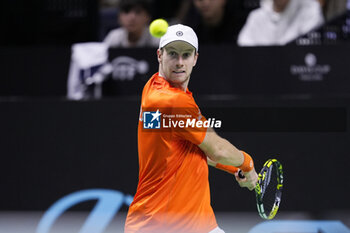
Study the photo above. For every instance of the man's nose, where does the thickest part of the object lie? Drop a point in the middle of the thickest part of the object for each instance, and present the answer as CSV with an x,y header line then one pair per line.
x,y
180,61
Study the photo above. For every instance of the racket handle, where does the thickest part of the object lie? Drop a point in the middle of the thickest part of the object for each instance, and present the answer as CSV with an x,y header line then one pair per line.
x,y
240,174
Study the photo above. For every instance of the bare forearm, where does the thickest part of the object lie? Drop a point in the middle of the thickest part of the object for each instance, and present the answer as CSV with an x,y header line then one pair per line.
x,y
211,162
228,154
225,156
219,150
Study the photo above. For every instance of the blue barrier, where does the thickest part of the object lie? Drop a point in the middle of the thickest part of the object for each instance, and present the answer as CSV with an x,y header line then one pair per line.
x,y
109,203
300,226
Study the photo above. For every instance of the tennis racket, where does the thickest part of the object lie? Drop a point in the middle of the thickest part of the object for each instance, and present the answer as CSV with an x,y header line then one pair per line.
x,y
268,189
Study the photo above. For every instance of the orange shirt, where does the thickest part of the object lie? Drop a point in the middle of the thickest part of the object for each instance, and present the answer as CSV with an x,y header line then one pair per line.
x,y
173,192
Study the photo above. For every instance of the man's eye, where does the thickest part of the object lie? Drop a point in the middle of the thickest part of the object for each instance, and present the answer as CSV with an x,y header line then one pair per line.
x,y
186,55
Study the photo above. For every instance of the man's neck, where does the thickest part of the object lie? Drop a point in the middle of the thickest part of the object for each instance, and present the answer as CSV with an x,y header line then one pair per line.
x,y
182,86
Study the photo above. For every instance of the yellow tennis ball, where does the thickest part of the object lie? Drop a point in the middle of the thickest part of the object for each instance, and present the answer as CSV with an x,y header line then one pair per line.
x,y
158,27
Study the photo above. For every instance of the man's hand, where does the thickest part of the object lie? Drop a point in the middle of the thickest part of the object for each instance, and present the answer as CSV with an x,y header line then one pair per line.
x,y
249,181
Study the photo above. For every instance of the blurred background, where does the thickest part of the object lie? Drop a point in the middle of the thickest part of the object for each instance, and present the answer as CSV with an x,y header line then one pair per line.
x,y
276,72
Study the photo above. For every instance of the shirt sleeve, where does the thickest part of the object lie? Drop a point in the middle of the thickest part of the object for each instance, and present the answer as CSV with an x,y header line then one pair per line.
x,y
193,127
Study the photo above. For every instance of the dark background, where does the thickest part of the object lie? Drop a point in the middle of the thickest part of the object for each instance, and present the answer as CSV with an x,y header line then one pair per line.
x,y
51,148
226,70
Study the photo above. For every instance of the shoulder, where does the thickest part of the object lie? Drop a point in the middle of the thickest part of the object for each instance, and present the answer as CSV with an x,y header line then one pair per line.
x,y
258,14
310,13
310,7
171,98
310,4
154,42
256,18
115,36
158,93
184,100
116,32
251,30
148,40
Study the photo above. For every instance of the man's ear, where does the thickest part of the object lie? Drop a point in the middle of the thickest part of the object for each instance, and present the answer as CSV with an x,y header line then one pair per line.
x,y
195,58
159,55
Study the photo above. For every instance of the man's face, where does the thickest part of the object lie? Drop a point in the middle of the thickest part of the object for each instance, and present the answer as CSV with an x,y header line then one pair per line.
x,y
176,62
134,20
210,8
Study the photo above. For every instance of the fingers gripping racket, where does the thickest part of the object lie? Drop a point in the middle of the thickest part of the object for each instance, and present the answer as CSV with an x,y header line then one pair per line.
x,y
268,189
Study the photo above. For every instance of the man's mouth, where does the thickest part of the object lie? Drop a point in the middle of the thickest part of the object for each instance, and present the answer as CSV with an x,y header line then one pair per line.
x,y
178,72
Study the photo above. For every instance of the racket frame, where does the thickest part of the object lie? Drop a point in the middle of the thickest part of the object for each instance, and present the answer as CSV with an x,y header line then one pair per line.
x,y
260,188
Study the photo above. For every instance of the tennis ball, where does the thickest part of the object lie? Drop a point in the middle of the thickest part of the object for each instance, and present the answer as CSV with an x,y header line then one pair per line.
x,y
158,27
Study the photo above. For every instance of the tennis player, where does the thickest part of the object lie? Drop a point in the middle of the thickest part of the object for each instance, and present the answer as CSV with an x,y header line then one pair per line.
x,y
173,192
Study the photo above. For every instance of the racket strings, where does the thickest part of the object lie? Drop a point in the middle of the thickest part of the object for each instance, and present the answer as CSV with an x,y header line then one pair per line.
x,y
270,189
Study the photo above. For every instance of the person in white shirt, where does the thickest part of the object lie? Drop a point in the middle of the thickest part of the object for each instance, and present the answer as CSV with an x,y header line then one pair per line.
x,y
134,18
278,22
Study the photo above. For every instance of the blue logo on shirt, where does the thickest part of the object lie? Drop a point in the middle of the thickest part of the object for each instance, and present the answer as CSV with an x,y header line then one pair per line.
x,y
151,120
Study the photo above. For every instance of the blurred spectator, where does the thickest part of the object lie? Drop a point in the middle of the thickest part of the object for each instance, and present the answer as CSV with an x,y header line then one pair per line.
x,y
335,30
173,11
216,21
108,15
134,19
332,8
278,22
